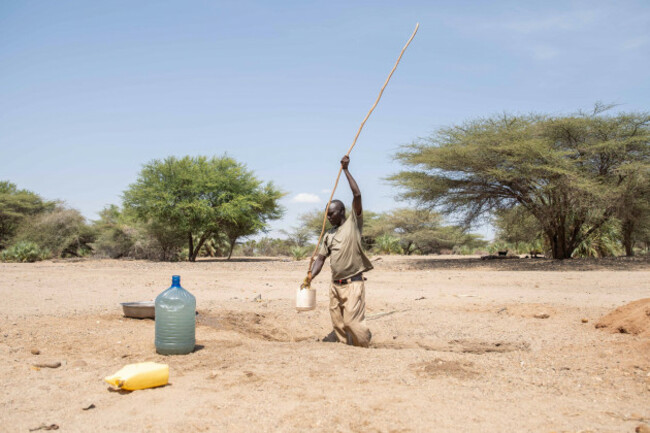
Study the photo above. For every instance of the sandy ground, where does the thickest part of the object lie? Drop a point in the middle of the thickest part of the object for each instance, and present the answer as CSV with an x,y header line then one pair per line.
x,y
460,349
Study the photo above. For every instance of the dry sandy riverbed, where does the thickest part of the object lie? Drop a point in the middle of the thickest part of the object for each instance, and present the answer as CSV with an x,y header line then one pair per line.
x,y
459,351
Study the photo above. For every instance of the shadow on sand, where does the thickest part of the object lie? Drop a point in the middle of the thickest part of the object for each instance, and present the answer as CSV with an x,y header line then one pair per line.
x,y
241,260
523,264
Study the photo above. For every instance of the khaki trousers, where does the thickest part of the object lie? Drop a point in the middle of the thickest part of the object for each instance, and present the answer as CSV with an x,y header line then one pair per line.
x,y
348,311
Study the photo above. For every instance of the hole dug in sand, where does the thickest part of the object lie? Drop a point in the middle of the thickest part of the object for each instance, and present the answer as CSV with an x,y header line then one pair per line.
x,y
258,326
273,327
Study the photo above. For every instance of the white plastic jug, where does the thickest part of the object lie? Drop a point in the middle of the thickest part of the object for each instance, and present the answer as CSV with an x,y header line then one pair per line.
x,y
305,299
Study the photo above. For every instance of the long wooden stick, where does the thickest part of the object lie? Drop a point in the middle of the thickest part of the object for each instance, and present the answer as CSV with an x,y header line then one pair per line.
x,y
320,238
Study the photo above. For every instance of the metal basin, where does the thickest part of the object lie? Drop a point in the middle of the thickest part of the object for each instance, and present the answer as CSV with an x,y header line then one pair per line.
x,y
139,310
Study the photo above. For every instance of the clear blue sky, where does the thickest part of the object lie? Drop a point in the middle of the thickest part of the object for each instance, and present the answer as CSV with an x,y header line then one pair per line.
x,y
90,91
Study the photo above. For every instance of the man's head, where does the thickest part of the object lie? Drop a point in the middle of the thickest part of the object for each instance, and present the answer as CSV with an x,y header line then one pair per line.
x,y
336,213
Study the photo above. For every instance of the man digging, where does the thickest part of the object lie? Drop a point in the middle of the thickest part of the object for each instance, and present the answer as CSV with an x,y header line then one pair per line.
x,y
342,244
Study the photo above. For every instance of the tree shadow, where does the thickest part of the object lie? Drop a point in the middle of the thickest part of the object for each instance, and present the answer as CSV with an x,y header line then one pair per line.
x,y
242,259
529,264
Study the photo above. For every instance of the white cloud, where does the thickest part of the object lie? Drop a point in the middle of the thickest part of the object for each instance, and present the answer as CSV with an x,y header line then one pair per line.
x,y
305,197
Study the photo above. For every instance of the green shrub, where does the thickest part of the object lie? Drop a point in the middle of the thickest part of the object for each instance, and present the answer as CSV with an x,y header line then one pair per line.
x,y
387,244
463,250
246,249
266,247
299,253
24,252
114,242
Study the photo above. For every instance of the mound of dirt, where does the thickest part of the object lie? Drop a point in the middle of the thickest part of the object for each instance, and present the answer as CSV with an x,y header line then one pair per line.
x,y
633,318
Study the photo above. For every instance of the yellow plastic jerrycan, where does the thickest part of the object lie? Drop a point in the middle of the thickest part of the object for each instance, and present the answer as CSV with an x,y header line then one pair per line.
x,y
140,376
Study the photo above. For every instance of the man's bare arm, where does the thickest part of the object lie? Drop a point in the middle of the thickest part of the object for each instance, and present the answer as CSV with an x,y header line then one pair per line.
x,y
317,266
356,193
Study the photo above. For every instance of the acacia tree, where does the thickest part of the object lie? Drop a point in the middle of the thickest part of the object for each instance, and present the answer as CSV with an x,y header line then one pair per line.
x,y
298,236
200,197
421,231
311,223
568,172
250,216
403,230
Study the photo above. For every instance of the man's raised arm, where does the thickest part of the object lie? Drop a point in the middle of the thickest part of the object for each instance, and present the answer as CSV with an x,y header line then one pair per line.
x,y
356,201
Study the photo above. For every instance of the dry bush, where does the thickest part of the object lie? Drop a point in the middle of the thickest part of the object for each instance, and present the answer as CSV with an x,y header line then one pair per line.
x,y
63,232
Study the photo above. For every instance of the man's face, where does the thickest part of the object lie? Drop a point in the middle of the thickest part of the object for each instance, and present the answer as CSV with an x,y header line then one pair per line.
x,y
336,214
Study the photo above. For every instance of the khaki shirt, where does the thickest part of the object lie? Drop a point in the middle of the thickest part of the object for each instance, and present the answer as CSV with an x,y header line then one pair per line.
x,y
343,246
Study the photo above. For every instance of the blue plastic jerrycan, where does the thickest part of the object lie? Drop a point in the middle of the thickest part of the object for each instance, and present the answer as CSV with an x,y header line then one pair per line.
x,y
175,320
